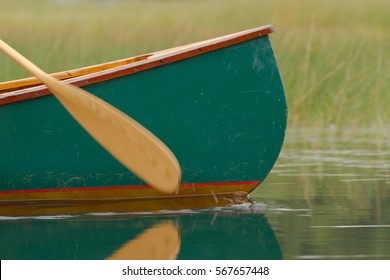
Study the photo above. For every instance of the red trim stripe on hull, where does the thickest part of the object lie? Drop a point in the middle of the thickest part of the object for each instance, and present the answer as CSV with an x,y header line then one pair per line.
x,y
129,187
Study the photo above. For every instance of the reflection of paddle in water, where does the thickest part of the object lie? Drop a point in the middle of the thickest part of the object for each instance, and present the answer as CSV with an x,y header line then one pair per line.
x,y
160,242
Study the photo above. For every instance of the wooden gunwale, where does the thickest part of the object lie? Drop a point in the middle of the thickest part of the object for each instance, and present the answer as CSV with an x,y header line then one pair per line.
x,y
143,63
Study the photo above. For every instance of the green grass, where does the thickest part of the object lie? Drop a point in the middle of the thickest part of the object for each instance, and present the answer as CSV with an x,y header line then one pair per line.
x,y
334,56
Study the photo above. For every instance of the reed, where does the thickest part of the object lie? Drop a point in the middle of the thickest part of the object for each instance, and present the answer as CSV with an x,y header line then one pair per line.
x,y
334,56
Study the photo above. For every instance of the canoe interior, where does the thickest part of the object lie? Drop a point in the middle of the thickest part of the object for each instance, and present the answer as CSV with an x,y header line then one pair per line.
x,y
31,82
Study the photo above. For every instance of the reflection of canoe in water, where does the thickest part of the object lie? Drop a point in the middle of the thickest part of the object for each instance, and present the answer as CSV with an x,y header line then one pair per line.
x,y
211,235
219,105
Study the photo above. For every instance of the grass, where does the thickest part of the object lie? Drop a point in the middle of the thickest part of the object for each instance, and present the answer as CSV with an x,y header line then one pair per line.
x,y
334,56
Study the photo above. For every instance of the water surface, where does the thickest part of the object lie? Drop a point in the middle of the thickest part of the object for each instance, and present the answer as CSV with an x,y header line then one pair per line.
x,y
327,198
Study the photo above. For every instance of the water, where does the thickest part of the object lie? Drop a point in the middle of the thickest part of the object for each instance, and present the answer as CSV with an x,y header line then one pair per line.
x,y
327,198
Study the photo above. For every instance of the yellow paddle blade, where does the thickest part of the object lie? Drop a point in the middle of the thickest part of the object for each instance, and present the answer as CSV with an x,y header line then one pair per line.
x,y
124,138
161,242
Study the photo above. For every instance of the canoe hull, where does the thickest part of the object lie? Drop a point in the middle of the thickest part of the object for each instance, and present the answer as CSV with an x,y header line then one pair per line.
x,y
223,114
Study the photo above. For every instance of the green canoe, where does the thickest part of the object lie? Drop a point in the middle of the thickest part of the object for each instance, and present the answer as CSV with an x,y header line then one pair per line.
x,y
219,105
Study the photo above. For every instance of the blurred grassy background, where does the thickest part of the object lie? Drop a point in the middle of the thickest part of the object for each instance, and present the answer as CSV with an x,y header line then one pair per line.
x,y
334,56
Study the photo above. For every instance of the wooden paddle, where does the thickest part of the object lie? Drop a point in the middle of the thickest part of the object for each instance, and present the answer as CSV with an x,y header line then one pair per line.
x,y
160,242
124,138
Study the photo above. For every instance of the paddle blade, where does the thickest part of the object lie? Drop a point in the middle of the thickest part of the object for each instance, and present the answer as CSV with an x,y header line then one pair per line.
x,y
128,141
